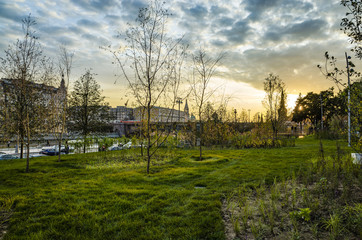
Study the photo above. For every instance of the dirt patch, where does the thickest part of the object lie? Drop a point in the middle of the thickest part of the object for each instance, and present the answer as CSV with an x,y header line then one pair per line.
x,y
226,218
292,210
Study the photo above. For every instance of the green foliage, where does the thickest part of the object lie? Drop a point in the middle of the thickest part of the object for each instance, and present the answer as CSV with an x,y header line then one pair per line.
x,y
88,112
304,213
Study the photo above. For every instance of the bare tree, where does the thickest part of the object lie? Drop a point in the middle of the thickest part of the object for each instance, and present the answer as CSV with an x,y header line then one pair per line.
x,y
65,62
153,58
26,70
275,99
204,68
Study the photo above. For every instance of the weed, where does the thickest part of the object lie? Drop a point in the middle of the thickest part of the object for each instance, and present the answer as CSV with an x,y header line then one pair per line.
x,y
235,221
7,202
245,214
271,220
314,229
262,209
304,213
275,193
294,219
294,198
256,230
333,224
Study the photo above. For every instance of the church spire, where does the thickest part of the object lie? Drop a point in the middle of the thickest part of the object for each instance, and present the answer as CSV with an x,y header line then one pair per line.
x,y
62,83
186,109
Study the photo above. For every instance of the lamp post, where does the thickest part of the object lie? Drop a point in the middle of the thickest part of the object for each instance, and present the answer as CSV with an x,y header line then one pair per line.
x,y
249,115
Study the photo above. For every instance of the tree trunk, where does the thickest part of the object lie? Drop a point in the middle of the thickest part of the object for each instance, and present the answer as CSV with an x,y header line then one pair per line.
x,y
84,147
28,156
142,149
60,145
148,137
200,137
27,149
21,148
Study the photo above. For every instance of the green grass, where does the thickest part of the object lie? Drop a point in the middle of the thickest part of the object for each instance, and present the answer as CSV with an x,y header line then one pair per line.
x,y
93,196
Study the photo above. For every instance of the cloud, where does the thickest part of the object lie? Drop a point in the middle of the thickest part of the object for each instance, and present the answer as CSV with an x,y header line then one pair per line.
x,y
95,40
89,24
131,8
96,5
198,12
216,10
53,30
258,7
238,33
313,28
11,12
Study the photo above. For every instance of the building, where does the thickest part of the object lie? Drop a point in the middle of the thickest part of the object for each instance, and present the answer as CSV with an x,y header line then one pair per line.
x,y
121,113
34,96
162,114
11,87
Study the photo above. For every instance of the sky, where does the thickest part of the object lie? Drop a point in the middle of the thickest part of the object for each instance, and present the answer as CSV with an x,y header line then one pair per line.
x,y
284,37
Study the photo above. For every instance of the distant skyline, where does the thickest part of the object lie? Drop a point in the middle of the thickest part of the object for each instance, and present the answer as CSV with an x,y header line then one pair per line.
x,y
284,37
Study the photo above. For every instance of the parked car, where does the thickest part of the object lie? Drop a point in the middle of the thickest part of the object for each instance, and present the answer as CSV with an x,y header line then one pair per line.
x,y
8,157
115,148
50,152
127,145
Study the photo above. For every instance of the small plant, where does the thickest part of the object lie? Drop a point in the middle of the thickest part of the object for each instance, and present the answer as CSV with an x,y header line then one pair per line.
x,y
271,219
294,217
305,196
235,221
245,214
262,209
275,193
229,197
304,213
333,224
294,198
323,184
314,230
256,230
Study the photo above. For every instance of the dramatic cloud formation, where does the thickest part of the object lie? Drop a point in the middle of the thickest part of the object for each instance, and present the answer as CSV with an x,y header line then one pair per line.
x,y
285,37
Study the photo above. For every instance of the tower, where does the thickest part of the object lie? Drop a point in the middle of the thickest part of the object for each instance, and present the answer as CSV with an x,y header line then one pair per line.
x,y
186,111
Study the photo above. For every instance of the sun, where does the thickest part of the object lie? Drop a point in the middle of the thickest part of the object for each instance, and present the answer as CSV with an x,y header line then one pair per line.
x,y
291,101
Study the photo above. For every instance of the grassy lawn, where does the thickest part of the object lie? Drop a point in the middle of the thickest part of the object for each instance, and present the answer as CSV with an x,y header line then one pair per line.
x,y
93,196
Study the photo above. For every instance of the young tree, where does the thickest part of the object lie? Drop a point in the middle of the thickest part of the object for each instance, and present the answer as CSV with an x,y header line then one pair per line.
x,y
204,68
153,58
26,70
88,113
65,62
274,102
352,24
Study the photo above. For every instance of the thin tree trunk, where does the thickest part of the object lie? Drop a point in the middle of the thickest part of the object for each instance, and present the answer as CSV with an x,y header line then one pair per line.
x,y
28,155
84,139
60,145
148,137
200,141
21,148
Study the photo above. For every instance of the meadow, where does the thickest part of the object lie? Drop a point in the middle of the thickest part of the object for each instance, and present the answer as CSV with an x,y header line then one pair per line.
x,y
110,196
